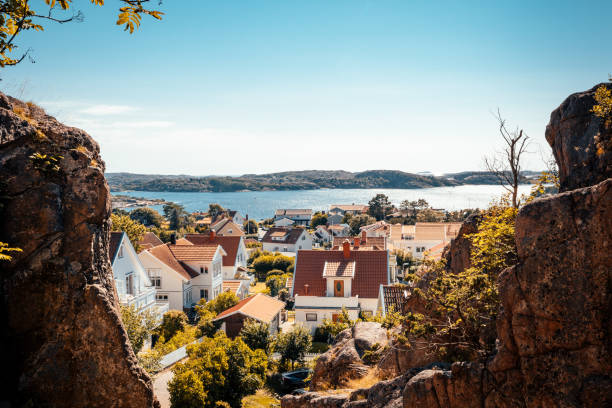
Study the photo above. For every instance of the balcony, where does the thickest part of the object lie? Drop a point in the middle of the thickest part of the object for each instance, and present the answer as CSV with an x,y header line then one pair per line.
x,y
320,302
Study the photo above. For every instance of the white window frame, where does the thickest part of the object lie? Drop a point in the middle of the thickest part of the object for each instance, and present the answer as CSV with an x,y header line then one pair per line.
x,y
309,317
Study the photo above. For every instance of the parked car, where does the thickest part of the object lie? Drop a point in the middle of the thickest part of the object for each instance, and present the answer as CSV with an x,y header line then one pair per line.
x,y
298,378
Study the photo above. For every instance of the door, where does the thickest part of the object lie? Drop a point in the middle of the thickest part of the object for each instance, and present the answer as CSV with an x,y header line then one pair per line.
x,y
339,288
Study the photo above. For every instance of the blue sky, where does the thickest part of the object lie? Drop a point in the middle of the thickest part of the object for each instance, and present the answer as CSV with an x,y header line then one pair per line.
x,y
233,87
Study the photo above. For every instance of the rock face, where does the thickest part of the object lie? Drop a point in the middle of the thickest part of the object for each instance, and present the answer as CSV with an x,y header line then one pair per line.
x,y
62,341
457,254
582,145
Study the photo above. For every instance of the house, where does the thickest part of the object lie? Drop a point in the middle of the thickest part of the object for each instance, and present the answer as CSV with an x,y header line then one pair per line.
x,y
260,307
424,238
236,217
392,298
298,216
227,227
233,246
171,280
131,281
283,222
239,287
322,234
340,230
279,239
334,219
352,209
149,240
361,242
325,282
206,261
377,229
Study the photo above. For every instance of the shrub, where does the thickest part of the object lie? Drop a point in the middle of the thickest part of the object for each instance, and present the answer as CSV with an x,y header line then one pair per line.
x,y
172,322
293,345
256,335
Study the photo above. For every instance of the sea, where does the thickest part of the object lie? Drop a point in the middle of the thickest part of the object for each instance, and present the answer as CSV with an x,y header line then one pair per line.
x,y
260,205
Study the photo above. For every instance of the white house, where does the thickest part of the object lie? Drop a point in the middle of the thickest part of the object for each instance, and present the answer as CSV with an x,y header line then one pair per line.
x,y
298,216
322,234
239,287
283,222
236,217
340,230
131,281
206,261
324,282
286,240
353,209
171,279
227,227
235,262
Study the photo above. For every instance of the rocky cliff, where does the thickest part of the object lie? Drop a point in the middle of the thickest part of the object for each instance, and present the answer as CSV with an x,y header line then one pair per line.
x,y
555,327
62,341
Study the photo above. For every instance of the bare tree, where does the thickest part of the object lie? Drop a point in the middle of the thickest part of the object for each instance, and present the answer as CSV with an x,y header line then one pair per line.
x,y
506,165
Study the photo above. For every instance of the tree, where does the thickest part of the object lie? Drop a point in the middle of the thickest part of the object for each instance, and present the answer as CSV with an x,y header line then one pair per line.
x,y
379,206
215,210
430,215
282,262
227,369
139,325
147,216
506,165
256,335
358,221
262,265
176,215
276,282
293,345
133,229
18,16
250,227
173,322
318,219
224,301
603,109
329,329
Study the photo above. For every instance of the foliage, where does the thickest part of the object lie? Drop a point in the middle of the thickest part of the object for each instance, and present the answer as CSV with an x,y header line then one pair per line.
x,y
283,295
224,301
17,16
293,345
264,262
329,329
134,230
227,369
318,219
176,216
379,206
173,322
405,258
358,221
150,360
147,216
181,338
373,355
282,262
45,163
206,326
256,335
540,188
462,308
430,215
250,227
215,210
4,248
139,325
603,109
276,282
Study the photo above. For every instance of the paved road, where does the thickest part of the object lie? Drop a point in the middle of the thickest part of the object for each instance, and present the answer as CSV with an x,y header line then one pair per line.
x,y
160,386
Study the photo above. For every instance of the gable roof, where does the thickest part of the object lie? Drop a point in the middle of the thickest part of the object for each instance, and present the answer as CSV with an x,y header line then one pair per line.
x,y
164,255
352,207
436,230
227,227
288,235
260,307
370,243
292,212
339,269
371,270
230,245
183,241
232,286
394,297
194,253
149,240
113,245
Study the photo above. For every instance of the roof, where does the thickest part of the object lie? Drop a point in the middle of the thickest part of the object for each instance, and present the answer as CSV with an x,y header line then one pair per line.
x,y
289,235
113,246
163,253
339,269
227,227
394,297
149,240
371,270
230,245
371,243
293,212
194,253
232,286
376,226
444,231
260,307
183,241
352,207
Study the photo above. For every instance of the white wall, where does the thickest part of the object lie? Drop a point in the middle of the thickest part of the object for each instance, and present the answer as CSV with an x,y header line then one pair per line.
x,y
125,264
300,316
211,281
330,286
171,281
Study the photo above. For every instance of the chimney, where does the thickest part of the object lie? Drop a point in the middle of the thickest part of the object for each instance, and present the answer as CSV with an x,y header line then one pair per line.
x,y
346,249
213,234
356,242
306,289
173,239
363,236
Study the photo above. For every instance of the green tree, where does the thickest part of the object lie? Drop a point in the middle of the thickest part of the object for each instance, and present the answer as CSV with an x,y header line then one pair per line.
x,y
133,229
250,226
358,221
262,265
139,325
318,219
176,216
18,16
293,345
276,282
227,369
430,215
330,329
379,206
603,109
173,322
282,262
206,325
215,210
147,216
224,301
256,335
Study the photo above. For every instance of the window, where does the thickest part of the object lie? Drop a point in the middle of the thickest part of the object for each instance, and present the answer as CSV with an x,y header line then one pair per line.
x,y
205,269
311,317
154,276
120,254
129,284
204,293
303,237
161,297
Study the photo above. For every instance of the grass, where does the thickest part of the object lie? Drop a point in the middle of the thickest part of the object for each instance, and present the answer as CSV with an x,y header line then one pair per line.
x,y
369,380
261,399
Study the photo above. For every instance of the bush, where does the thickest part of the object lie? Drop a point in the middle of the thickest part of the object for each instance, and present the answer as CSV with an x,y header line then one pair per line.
x,y
256,335
329,329
293,345
173,322
139,325
282,262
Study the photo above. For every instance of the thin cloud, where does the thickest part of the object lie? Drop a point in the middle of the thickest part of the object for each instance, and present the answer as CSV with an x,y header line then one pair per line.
x,y
144,124
103,110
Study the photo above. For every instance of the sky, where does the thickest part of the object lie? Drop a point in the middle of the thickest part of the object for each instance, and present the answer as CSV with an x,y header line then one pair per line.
x,y
231,87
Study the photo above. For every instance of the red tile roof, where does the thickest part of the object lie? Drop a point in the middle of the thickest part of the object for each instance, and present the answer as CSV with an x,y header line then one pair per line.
x,y
394,297
194,253
261,307
371,243
339,269
230,244
371,270
163,253
149,240
288,235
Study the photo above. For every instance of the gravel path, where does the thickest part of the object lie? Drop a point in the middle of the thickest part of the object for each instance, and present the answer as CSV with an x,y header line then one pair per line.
x,y
160,385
